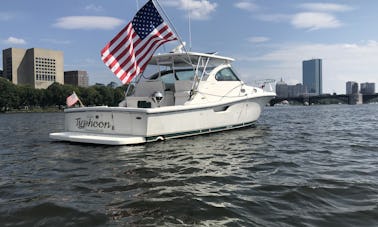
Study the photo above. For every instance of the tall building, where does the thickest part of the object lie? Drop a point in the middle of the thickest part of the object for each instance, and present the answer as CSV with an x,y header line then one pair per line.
x,y
35,66
351,88
312,76
77,78
367,88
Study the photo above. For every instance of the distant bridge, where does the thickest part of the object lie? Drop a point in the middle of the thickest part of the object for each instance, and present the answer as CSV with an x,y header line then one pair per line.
x,y
324,99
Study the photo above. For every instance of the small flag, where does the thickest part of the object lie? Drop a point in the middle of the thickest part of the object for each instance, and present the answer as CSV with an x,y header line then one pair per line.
x,y
72,99
128,53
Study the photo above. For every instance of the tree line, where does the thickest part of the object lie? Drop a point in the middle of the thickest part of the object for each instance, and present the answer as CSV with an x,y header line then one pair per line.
x,y
14,97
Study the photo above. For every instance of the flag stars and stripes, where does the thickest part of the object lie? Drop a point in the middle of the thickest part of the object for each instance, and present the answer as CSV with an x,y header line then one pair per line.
x,y
146,20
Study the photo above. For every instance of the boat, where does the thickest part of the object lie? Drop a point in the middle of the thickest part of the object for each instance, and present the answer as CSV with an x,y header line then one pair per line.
x,y
186,94
179,100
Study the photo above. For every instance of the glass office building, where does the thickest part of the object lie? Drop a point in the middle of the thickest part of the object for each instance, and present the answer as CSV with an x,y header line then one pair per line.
x,y
312,76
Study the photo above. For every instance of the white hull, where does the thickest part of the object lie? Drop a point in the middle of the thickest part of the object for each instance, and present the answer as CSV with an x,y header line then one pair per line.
x,y
125,125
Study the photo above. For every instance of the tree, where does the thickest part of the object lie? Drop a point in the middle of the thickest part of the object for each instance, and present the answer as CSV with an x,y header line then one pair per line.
x,y
8,95
15,96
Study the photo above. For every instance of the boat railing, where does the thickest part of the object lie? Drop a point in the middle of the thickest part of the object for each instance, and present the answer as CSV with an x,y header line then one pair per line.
x,y
265,84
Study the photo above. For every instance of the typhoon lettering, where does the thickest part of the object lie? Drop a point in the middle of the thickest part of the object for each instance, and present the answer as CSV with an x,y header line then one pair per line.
x,y
90,123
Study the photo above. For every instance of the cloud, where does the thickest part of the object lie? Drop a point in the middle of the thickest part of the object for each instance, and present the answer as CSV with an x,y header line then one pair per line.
x,y
246,5
15,41
198,9
258,39
314,21
326,7
342,62
317,16
88,22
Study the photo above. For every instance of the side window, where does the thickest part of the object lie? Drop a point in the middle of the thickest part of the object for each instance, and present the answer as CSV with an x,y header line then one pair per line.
x,y
185,75
226,74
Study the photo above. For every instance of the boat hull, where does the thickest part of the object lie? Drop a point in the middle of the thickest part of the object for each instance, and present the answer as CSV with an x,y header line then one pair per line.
x,y
123,125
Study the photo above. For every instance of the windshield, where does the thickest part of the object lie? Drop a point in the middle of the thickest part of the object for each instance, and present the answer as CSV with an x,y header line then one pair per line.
x,y
170,76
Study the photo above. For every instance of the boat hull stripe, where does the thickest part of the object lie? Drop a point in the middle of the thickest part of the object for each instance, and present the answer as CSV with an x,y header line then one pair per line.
x,y
198,132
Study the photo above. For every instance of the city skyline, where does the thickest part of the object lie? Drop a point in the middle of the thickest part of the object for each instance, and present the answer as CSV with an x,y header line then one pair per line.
x,y
271,38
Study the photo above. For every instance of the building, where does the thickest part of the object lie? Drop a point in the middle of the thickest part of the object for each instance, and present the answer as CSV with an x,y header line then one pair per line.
x,y
281,89
284,90
112,84
367,88
351,88
312,76
77,78
1,73
36,67
296,90
355,97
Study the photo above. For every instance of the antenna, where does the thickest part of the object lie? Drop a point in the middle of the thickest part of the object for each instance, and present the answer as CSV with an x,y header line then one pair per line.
x,y
190,29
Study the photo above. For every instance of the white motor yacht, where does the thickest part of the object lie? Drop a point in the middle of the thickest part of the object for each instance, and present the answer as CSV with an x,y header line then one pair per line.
x,y
188,94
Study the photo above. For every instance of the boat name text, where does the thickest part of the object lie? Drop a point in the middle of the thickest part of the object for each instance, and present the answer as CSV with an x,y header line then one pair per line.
x,y
90,123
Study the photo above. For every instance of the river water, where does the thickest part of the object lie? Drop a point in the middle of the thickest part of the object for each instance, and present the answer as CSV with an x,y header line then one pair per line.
x,y
298,166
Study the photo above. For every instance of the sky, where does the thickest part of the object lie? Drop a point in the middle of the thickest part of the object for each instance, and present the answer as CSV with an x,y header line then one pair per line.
x,y
269,39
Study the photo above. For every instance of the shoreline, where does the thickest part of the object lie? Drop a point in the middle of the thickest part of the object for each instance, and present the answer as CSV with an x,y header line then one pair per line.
x,y
34,110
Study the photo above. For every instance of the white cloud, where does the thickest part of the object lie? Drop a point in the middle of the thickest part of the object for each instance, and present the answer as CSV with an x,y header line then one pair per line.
x,y
315,21
198,9
318,16
342,62
15,41
88,22
246,5
258,39
328,7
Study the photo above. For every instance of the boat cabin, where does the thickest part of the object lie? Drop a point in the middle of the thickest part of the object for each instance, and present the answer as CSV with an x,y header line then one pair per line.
x,y
177,78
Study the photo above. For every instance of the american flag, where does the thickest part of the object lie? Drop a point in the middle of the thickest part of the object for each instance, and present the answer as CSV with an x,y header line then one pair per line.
x,y
72,99
128,53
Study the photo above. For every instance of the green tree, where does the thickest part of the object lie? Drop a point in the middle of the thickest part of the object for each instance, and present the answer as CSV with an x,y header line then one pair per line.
x,y
8,95
15,96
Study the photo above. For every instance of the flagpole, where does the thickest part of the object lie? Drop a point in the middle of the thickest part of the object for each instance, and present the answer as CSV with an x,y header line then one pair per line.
x,y
190,30
81,104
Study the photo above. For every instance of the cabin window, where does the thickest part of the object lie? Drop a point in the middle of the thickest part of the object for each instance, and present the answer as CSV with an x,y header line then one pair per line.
x,y
185,75
226,74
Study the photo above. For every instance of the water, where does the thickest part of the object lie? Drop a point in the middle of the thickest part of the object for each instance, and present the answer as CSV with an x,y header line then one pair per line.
x,y
298,166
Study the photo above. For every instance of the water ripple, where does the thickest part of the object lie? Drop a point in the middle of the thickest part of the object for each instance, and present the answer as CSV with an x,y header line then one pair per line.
x,y
298,166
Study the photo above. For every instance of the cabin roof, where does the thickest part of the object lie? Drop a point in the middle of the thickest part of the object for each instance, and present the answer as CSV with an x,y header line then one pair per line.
x,y
182,59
